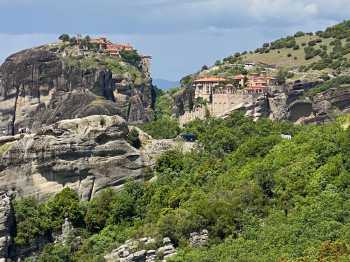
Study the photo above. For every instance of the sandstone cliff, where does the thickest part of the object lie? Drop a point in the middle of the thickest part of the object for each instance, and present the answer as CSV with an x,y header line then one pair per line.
x,y
46,84
87,154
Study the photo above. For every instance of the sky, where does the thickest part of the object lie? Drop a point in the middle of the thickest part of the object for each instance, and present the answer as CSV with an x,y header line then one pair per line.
x,y
180,35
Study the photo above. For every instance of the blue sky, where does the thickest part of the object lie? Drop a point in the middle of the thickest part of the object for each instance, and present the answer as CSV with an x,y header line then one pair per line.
x,y
181,35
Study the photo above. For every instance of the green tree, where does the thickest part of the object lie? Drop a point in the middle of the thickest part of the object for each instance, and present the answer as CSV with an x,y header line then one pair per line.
x,y
64,38
98,210
65,205
131,57
133,138
32,221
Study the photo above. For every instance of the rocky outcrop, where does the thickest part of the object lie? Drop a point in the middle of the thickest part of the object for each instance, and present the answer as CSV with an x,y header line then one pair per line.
x,y
291,102
142,250
199,239
183,101
149,250
278,105
42,86
336,98
6,222
86,154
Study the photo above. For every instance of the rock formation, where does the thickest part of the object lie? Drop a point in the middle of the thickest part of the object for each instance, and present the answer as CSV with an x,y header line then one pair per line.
x,y
87,154
280,103
6,222
183,100
142,250
44,85
199,239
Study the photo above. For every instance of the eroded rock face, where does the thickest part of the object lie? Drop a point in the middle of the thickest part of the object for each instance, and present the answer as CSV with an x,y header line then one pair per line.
x,y
338,98
183,101
38,86
87,154
6,222
288,102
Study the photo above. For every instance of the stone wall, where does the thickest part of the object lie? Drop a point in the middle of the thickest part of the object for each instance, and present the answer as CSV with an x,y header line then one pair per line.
x,y
223,104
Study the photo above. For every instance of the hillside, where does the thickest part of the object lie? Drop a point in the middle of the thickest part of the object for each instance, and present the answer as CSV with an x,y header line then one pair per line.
x,y
329,49
253,194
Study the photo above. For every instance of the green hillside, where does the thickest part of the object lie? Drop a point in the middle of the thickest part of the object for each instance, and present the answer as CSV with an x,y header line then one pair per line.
x,y
262,199
324,49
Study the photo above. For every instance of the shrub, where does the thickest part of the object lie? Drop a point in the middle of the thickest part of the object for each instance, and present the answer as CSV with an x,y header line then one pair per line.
x,y
164,128
204,67
64,38
98,210
299,34
314,42
131,57
133,138
65,205
32,221
311,52
218,63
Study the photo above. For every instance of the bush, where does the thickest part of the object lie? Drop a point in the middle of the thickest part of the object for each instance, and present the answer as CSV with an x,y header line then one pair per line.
x,y
32,221
131,57
164,128
299,34
63,205
64,38
73,41
133,138
311,52
315,42
218,63
55,253
204,67
98,210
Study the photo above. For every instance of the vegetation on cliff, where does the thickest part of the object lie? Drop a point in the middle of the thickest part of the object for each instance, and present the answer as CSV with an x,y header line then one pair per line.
x,y
329,49
262,198
164,125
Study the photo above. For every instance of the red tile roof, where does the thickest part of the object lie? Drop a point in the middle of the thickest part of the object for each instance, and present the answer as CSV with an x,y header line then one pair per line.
x,y
210,79
239,77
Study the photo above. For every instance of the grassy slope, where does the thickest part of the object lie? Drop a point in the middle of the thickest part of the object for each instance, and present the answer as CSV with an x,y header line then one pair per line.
x,y
279,56
281,59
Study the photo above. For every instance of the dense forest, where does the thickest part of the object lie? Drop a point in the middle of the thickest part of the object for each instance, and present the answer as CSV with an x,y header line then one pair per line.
x,y
261,197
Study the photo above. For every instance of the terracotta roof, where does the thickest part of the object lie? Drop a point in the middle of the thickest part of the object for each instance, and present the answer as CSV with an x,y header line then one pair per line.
x,y
210,79
239,77
257,87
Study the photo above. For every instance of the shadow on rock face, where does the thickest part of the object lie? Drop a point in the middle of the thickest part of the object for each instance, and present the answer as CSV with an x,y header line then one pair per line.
x,y
299,109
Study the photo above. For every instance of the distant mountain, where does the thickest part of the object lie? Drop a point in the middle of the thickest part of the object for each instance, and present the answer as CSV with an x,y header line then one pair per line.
x,y
165,84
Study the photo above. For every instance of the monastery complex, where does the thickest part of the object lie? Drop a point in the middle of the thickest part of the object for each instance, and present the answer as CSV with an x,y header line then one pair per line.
x,y
220,96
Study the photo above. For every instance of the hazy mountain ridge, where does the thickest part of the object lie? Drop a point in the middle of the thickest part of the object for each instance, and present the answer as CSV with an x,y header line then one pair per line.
x,y
165,84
